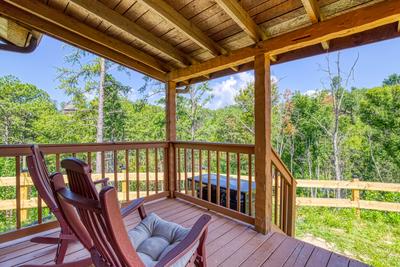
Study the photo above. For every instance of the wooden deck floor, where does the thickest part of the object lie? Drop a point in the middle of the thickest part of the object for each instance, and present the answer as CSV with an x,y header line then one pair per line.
x,y
230,243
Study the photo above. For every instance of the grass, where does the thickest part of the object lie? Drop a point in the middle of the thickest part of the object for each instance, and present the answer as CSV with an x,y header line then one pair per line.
x,y
373,238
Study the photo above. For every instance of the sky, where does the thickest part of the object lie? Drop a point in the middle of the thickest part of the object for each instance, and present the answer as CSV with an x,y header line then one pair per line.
x,y
375,62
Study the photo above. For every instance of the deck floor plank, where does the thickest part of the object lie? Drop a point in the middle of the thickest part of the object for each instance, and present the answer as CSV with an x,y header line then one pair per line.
x,y
230,243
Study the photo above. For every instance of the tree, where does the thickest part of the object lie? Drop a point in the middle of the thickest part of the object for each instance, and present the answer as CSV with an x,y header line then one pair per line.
x,y
89,77
338,81
190,110
21,106
393,79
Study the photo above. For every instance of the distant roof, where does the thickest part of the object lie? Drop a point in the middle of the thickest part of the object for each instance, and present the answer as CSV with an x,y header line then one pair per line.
x,y
191,40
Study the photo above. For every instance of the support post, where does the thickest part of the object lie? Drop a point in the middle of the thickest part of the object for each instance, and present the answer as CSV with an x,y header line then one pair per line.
x,y
263,171
171,135
355,194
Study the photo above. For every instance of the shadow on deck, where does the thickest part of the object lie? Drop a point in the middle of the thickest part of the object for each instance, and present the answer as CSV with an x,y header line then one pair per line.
x,y
229,243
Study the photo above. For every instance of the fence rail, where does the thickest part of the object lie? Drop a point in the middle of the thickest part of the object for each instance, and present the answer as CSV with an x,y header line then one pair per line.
x,y
355,202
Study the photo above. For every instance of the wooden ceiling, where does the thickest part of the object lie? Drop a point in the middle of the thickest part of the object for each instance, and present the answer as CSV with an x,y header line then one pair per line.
x,y
192,40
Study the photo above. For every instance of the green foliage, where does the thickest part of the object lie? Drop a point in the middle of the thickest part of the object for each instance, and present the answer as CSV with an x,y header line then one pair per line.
x,y
373,238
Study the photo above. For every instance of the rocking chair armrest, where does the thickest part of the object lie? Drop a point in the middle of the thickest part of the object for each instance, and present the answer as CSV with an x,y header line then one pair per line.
x,y
197,233
103,181
136,204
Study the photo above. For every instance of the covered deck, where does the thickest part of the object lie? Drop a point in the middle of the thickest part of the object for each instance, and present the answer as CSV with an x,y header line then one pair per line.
x,y
181,43
229,243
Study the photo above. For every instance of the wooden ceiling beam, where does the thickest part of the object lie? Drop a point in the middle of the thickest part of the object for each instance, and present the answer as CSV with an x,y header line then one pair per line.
x,y
45,12
64,35
242,18
312,9
105,13
346,24
168,13
385,32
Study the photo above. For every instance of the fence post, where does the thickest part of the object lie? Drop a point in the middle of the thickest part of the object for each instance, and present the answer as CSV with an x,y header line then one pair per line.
x,y
24,195
355,194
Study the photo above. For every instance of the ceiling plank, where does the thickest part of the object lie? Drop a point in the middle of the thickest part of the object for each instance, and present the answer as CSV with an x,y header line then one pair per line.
x,y
47,13
62,34
346,24
242,18
103,12
168,13
312,9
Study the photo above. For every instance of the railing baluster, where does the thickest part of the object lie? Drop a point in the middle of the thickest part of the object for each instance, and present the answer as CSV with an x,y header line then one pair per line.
x,y
126,175
40,215
57,162
185,169
137,174
250,196
193,181
18,189
89,160
156,168
103,165
238,191
209,176
285,206
281,197
276,195
228,183
179,168
147,172
200,177
115,169
218,181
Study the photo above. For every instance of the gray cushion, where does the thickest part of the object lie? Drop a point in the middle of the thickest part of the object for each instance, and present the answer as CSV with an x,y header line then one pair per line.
x,y
154,237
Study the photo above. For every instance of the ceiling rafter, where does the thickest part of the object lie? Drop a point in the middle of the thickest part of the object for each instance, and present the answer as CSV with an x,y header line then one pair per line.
x,y
168,13
367,18
47,13
242,18
103,12
312,9
42,25
313,12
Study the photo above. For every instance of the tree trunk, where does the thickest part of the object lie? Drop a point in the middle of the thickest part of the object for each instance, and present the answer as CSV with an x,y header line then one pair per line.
x,y
100,116
336,161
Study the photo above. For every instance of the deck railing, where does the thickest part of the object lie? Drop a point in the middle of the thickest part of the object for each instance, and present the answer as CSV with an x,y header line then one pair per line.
x,y
135,169
217,176
284,194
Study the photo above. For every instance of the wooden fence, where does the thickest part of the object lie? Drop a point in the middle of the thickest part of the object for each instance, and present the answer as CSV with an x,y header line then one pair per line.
x,y
355,201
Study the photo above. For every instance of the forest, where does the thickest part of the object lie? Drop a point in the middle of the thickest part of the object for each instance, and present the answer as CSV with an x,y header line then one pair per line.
x,y
334,133
338,132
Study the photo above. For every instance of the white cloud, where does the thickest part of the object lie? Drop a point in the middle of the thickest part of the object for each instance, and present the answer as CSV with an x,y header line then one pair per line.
x,y
224,91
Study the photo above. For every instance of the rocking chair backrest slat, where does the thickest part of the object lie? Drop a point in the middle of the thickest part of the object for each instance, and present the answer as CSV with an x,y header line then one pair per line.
x,y
69,212
96,222
40,177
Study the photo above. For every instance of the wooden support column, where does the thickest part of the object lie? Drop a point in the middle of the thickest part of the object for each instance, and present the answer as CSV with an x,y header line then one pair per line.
x,y
263,174
171,135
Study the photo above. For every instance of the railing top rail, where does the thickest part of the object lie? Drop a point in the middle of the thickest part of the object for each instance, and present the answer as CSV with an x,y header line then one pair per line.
x,y
22,150
224,147
277,161
357,185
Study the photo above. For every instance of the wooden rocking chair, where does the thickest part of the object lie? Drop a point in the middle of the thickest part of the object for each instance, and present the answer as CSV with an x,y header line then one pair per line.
x,y
41,179
154,242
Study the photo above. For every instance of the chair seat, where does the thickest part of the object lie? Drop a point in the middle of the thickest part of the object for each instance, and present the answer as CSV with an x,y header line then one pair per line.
x,y
154,237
